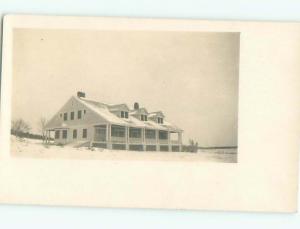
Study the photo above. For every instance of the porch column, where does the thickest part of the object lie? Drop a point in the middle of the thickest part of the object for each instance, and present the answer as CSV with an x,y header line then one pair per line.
x,y
45,137
180,141
108,136
157,140
127,137
144,139
169,141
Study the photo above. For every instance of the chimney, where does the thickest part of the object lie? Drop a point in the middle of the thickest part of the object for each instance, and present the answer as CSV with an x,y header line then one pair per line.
x,y
80,94
136,106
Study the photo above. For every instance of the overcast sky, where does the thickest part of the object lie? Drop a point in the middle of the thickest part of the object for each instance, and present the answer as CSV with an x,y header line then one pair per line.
x,y
191,76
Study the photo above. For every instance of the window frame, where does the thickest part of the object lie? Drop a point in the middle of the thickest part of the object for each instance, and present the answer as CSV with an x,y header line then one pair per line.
x,y
66,116
72,115
57,134
79,114
75,134
64,134
118,131
133,135
84,133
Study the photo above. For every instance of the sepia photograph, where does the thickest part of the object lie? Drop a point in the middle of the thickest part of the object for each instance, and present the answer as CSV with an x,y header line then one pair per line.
x,y
149,113
148,95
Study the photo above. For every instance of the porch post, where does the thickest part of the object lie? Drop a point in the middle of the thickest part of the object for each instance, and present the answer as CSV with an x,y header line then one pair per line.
x,y
180,141
127,137
157,140
108,139
169,141
144,139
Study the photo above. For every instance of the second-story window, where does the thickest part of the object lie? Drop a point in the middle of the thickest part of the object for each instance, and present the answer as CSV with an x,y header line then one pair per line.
x,y
124,114
72,115
79,114
65,116
144,117
160,120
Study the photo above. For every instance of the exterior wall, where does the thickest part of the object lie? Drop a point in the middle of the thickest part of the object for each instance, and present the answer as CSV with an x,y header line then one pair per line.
x,y
90,117
90,134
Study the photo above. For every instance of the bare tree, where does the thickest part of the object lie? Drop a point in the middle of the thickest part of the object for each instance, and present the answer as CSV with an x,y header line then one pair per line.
x,y
42,127
19,127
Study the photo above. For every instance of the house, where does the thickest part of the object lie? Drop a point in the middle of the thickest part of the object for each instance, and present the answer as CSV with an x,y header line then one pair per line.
x,y
84,122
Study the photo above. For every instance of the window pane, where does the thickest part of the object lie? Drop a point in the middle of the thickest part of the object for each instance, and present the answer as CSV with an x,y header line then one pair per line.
x,y
57,133
79,114
150,134
126,114
122,114
117,131
74,133
65,116
163,134
84,133
135,133
65,134
72,115
100,134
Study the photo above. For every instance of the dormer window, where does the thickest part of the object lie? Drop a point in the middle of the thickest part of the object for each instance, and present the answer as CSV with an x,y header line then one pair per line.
x,y
144,117
160,120
124,114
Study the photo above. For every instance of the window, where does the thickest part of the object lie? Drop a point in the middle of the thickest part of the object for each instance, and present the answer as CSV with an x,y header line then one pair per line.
x,y
57,133
60,115
84,111
79,114
163,135
74,134
100,134
150,134
135,133
124,114
65,134
117,131
144,117
72,115
84,133
65,116
160,120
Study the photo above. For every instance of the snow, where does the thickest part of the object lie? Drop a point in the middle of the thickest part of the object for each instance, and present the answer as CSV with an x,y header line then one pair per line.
x,y
36,149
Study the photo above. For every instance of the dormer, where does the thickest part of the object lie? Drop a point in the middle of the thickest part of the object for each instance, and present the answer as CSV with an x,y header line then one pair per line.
x,y
139,113
120,110
157,117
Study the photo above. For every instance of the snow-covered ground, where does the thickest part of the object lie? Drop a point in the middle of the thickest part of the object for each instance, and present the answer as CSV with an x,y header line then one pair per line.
x,y
36,149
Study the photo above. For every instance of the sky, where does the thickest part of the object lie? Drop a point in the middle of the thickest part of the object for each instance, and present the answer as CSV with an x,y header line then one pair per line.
x,y
192,77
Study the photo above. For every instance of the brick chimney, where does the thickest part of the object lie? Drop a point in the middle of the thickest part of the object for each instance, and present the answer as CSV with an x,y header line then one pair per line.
x,y
80,94
136,106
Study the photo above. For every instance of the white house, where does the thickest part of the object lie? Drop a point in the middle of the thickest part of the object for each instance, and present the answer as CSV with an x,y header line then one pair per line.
x,y
84,122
